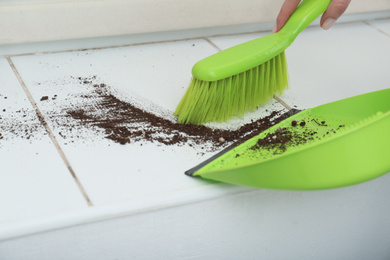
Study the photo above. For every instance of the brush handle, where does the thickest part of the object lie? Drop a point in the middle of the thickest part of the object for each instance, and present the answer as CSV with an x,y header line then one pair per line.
x,y
304,15
251,54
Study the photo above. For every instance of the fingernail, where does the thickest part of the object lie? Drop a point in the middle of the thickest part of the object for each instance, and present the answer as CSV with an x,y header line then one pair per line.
x,y
329,22
274,28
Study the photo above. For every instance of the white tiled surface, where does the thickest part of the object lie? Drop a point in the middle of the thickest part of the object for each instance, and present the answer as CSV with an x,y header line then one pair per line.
x,y
155,74
346,223
383,25
35,182
345,61
142,193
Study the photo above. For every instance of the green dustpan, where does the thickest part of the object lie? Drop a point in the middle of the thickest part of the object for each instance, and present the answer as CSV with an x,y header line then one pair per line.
x,y
339,144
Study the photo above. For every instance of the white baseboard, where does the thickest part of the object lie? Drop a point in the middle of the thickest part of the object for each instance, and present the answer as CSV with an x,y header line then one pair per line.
x,y
37,20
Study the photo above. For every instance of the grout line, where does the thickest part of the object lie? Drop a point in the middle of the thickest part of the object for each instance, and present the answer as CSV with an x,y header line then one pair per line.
x,y
102,48
282,102
376,28
48,130
212,43
136,44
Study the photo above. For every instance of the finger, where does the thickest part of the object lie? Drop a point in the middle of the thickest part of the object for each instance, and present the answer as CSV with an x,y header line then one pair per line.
x,y
335,10
287,9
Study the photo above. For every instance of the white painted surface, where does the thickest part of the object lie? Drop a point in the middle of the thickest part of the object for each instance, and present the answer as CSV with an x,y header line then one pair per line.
x,y
34,181
141,38
40,20
57,20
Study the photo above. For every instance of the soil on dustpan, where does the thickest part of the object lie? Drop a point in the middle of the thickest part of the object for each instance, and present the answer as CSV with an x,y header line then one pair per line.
x,y
281,139
295,135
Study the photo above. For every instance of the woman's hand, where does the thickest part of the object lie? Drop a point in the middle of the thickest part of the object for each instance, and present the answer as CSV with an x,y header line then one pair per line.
x,y
335,10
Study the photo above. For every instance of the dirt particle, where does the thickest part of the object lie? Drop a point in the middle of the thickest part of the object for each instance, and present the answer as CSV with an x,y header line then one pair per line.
x,y
43,98
294,123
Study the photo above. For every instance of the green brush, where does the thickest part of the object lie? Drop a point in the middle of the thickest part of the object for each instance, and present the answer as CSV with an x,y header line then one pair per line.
x,y
241,78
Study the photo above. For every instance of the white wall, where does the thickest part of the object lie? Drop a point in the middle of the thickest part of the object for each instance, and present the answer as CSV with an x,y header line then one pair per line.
x,y
39,20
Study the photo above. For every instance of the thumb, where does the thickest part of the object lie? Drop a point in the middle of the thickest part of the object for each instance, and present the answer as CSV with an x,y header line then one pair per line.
x,y
335,10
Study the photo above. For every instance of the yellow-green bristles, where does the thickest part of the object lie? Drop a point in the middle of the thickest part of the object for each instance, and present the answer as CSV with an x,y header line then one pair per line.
x,y
221,100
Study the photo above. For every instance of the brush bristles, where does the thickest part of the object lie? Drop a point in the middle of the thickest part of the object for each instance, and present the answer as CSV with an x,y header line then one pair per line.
x,y
221,100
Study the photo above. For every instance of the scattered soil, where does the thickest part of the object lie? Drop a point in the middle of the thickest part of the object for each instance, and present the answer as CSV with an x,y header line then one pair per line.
x,y
22,124
99,109
283,138
124,122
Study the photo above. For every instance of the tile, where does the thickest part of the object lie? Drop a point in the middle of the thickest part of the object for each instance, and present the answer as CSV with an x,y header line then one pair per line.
x,y
345,61
325,66
153,76
34,180
146,71
383,25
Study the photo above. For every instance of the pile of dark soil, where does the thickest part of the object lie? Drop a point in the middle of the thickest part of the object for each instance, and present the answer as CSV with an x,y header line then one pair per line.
x,y
283,138
124,122
295,135
98,109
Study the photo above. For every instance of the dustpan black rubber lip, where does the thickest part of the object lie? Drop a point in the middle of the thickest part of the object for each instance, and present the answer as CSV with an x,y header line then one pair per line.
x,y
192,171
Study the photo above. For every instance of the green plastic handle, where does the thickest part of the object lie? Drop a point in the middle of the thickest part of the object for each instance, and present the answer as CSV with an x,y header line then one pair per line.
x,y
251,54
303,16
